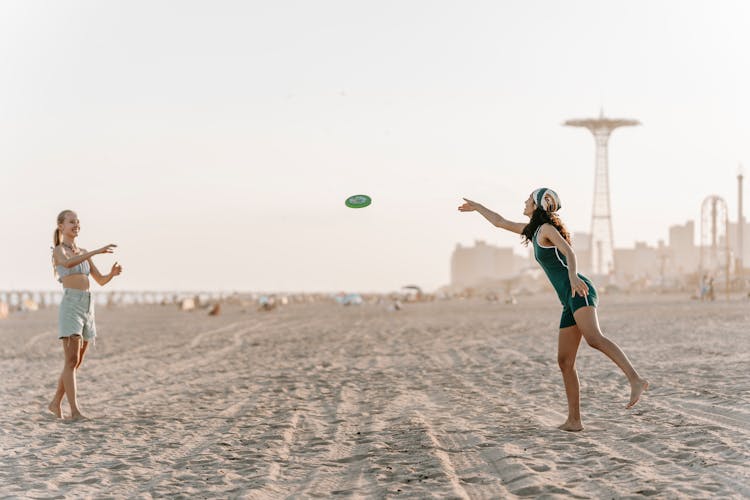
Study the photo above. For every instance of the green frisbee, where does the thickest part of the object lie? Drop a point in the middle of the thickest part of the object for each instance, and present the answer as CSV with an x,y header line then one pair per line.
x,y
358,201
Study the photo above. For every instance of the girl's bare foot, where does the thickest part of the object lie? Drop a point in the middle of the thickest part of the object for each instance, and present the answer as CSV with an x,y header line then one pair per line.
x,y
636,389
571,426
78,416
56,409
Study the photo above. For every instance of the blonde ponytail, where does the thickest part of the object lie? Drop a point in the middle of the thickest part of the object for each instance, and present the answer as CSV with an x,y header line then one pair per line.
x,y
57,237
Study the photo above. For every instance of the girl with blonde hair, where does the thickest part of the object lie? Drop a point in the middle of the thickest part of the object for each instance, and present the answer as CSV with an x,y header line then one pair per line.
x,y
77,328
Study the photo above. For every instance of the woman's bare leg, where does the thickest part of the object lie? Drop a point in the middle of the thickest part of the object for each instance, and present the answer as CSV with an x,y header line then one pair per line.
x,y
567,349
72,347
84,346
56,405
588,324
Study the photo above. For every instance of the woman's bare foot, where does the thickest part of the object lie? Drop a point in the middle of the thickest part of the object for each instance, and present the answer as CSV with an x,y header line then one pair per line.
x,y
571,426
636,389
56,409
78,416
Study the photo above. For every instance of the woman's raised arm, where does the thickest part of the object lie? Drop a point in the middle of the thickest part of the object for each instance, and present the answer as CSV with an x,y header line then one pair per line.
x,y
62,259
495,219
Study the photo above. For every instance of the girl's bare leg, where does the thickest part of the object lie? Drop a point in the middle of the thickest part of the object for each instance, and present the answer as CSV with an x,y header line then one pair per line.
x,y
567,349
56,405
588,323
84,346
72,347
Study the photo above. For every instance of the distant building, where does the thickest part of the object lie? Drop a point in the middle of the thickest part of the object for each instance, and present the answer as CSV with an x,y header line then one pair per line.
x,y
682,235
677,259
484,264
684,254
734,243
641,262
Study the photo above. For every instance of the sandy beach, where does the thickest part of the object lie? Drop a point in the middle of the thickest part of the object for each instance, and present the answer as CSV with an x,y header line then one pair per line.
x,y
454,399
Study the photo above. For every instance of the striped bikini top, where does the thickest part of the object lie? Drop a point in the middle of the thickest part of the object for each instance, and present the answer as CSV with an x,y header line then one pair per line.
x,y
82,268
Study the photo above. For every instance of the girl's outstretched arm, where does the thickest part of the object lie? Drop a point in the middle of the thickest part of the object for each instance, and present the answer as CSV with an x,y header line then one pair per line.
x,y
495,219
61,256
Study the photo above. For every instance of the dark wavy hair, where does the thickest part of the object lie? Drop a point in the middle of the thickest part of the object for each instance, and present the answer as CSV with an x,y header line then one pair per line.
x,y
539,217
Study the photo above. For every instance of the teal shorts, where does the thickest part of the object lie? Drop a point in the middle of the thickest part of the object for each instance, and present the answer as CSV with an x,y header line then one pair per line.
x,y
76,315
575,303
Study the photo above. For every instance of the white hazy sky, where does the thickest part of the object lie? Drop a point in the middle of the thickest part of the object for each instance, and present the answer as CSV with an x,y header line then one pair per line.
x,y
216,141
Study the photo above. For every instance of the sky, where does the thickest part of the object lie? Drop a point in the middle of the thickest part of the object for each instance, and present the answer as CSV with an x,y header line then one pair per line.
x,y
215,142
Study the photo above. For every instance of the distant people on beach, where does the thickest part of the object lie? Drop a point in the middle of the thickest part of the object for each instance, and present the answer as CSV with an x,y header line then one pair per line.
x,y
76,325
706,291
552,250
267,303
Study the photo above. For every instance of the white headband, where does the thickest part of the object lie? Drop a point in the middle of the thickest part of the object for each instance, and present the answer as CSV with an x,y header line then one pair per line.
x,y
547,199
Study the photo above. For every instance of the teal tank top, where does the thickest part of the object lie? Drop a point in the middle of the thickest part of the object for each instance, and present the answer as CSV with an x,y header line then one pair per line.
x,y
555,266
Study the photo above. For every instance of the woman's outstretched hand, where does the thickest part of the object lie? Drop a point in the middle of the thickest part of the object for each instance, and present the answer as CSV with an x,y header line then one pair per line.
x,y
469,206
116,269
107,249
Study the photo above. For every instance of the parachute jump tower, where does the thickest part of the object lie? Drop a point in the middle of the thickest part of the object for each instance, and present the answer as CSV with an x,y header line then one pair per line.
x,y
602,245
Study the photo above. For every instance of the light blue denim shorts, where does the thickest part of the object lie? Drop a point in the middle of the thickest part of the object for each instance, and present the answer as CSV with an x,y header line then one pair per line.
x,y
76,316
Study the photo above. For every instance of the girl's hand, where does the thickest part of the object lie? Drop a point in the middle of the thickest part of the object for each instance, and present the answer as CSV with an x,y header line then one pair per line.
x,y
116,269
469,206
578,286
107,249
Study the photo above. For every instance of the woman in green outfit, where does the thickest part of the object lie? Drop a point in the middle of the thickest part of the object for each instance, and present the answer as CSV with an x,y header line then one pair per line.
x,y
551,242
